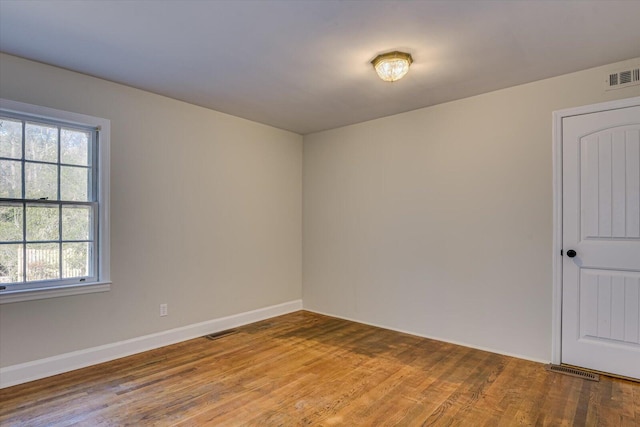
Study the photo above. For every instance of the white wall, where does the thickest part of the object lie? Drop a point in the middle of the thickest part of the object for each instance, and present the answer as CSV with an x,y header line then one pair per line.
x,y
439,221
206,216
436,221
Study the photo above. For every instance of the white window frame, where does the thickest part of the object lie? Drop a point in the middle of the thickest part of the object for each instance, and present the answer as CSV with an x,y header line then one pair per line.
x,y
102,283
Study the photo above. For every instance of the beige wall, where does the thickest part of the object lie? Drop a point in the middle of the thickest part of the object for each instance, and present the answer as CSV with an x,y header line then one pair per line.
x,y
206,216
439,221
436,221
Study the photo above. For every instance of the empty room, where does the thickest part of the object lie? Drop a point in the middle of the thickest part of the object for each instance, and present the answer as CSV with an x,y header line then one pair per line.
x,y
340,212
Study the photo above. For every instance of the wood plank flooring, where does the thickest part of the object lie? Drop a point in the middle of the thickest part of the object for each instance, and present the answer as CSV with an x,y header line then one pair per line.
x,y
307,369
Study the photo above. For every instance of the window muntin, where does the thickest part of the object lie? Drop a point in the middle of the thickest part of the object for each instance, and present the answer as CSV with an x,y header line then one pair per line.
x,y
48,203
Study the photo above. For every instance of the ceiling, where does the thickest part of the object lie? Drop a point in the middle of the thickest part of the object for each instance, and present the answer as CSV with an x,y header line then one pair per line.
x,y
305,65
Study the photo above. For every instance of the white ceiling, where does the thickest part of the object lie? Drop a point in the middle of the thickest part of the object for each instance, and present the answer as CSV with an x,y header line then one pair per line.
x,y
304,65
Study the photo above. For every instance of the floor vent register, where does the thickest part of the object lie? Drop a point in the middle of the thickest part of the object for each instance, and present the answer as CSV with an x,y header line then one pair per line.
x,y
218,335
574,372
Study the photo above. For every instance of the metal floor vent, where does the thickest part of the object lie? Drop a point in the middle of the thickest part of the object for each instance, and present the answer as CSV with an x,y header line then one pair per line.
x,y
216,335
574,372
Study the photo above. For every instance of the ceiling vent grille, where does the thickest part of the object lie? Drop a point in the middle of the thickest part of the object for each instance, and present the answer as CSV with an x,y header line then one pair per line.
x,y
622,79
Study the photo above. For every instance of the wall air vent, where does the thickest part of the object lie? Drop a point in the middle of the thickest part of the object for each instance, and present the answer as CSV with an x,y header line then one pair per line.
x,y
622,79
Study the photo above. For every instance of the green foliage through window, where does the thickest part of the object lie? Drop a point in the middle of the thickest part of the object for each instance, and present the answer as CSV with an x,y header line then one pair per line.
x,y
48,201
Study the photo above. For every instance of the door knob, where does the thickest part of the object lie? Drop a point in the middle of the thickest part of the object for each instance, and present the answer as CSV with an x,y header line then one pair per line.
x,y
571,253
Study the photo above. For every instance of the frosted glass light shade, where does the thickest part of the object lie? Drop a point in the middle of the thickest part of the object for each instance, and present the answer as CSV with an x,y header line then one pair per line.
x,y
392,66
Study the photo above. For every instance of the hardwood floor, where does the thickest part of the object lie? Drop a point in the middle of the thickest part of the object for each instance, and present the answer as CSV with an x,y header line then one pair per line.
x,y
308,369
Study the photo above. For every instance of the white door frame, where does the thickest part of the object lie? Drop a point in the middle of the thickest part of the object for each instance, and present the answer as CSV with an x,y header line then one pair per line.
x,y
556,314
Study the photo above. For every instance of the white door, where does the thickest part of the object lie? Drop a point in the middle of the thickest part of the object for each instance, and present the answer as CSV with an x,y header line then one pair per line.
x,y
601,241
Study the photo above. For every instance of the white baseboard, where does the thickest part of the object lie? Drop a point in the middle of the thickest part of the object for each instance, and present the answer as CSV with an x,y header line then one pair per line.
x,y
37,369
463,344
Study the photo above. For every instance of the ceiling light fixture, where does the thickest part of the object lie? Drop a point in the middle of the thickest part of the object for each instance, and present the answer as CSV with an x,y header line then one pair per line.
x,y
392,66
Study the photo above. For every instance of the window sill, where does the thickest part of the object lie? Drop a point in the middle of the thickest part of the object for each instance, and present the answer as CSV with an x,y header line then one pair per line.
x,y
7,297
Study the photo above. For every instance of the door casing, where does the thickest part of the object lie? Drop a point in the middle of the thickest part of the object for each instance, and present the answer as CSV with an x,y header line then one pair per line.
x,y
556,319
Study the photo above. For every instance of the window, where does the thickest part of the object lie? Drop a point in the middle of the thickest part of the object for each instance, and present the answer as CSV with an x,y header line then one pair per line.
x,y
53,202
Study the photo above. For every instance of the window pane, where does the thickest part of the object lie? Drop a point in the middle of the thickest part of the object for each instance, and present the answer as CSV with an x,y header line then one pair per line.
x,y
74,184
10,223
10,263
76,259
43,261
74,147
11,179
42,223
41,142
10,138
76,222
41,181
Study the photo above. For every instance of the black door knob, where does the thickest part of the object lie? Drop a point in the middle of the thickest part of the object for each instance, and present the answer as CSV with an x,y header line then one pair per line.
x,y
571,253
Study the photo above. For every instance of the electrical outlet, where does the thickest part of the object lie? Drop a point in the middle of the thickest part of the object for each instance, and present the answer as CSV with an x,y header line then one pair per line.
x,y
164,309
